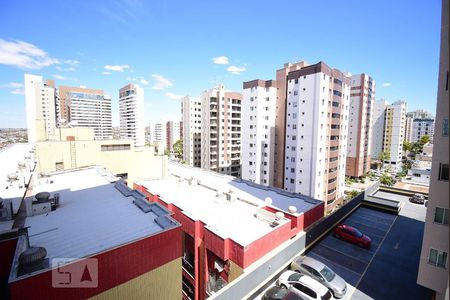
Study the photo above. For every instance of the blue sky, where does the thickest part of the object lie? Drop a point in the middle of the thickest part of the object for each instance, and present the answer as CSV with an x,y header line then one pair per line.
x,y
169,46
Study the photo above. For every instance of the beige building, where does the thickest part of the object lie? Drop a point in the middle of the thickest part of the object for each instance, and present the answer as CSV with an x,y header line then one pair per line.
x,y
73,148
433,268
362,98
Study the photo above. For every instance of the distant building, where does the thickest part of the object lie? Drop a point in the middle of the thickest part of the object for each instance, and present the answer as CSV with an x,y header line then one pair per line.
x,y
158,137
362,99
82,107
221,131
192,130
228,225
40,104
419,114
408,129
434,258
172,134
422,127
258,131
72,243
394,132
379,115
131,112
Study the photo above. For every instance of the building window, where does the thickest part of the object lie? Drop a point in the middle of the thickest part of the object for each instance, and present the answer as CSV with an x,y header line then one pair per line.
x,y
445,127
441,215
443,172
437,258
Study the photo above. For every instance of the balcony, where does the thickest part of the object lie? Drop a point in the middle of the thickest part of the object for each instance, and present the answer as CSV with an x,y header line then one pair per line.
x,y
188,264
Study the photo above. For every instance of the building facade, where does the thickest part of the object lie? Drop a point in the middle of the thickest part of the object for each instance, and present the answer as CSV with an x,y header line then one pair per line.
x,y
158,136
378,119
172,134
422,127
433,267
221,131
82,107
192,130
40,104
258,131
408,129
394,133
131,113
362,98
318,99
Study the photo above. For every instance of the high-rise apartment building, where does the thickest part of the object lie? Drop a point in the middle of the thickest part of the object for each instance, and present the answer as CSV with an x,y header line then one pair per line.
x,y
317,108
258,131
394,133
422,127
378,116
420,114
433,267
360,125
158,136
192,130
172,134
408,128
84,107
131,109
280,120
221,131
41,104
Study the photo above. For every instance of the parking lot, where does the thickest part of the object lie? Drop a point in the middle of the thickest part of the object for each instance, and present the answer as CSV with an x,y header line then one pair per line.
x,y
388,270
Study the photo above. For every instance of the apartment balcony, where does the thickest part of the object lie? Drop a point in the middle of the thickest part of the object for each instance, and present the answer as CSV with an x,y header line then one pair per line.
x,y
335,110
334,143
235,122
334,132
213,107
333,164
188,264
236,108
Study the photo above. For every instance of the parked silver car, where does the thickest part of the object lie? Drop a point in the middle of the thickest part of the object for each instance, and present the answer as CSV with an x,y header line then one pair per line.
x,y
320,272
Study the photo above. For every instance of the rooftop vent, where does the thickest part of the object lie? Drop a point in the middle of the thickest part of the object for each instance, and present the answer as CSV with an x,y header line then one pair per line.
x,y
32,255
292,209
42,197
268,201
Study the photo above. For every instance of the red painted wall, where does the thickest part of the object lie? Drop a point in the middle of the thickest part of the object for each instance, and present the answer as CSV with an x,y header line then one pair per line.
x,y
7,250
314,214
116,266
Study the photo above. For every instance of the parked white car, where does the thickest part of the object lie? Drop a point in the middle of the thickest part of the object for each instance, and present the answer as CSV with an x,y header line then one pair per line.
x,y
304,286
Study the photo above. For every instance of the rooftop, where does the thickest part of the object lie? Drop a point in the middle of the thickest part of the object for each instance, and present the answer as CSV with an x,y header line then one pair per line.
x,y
205,199
95,213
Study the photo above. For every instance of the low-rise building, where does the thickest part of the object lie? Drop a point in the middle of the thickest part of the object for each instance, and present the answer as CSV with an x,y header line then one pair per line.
x,y
228,224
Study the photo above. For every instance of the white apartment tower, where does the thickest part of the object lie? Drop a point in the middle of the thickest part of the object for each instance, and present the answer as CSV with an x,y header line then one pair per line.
x,y
377,140
317,109
173,134
408,128
131,110
394,132
360,125
191,108
158,136
221,131
40,101
434,258
422,127
258,131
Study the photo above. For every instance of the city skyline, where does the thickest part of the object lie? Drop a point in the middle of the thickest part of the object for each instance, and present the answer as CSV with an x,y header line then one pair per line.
x,y
108,62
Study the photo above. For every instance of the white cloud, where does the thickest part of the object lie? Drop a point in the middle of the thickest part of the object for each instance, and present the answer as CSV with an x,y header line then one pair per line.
x,y
18,92
173,96
161,82
106,73
63,78
71,62
386,84
117,68
220,60
12,85
24,55
144,82
236,70
71,69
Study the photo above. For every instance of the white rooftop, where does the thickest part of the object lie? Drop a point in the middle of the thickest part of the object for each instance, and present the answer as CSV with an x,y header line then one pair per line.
x,y
92,216
228,219
9,164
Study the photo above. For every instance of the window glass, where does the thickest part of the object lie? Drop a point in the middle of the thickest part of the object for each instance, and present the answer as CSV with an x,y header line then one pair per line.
x,y
441,215
443,172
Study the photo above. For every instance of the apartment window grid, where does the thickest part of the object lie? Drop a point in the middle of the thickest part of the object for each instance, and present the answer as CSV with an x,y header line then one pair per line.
x,y
438,258
441,215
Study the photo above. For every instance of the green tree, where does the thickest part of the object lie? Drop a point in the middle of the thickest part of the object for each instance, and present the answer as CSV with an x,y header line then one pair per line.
x,y
178,149
166,152
424,140
382,157
407,146
386,179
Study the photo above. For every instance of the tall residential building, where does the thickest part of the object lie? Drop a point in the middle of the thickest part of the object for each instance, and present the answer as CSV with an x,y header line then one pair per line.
x,y
360,125
379,114
192,130
84,107
131,109
317,108
420,114
408,129
280,121
221,131
158,136
394,132
422,127
172,134
433,267
40,102
258,131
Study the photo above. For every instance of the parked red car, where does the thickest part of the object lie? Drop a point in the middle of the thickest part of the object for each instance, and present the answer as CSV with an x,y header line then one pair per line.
x,y
352,235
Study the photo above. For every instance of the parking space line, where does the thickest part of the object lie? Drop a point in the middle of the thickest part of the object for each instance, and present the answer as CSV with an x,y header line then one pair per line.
x,y
343,253
376,252
344,267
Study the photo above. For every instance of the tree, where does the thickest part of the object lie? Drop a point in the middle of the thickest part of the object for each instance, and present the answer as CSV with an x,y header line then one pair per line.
x,y
424,140
386,179
178,149
407,146
166,152
383,156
